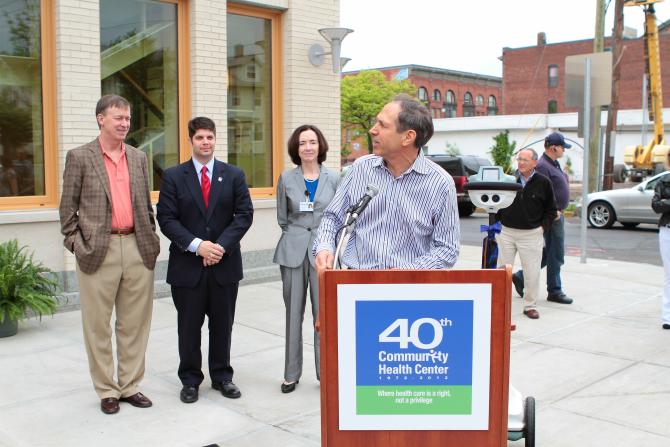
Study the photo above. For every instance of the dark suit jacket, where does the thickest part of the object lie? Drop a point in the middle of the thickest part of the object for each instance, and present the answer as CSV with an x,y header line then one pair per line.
x,y
86,206
182,217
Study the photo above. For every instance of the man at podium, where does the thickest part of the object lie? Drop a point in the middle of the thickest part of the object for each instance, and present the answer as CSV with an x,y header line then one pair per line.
x,y
407,204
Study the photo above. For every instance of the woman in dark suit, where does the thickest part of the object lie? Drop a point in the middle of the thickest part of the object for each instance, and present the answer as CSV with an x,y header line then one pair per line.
x,y
302,195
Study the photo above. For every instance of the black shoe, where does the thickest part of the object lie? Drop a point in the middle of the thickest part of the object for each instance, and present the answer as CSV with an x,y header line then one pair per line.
x,y
559,297
227,388
188,394
518,284
666,326
288,387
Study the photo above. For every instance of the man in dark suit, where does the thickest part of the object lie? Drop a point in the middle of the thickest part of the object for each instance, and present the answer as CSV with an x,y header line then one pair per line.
x,y
108,223
204,208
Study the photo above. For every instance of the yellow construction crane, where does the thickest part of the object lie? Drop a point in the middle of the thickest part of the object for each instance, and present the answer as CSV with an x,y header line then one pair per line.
x,y
640,161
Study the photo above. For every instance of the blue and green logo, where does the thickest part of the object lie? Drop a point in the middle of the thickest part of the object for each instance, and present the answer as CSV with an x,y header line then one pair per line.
x,y
414,357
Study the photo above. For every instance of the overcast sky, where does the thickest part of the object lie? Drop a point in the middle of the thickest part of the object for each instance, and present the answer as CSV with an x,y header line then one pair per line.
x,y
467,35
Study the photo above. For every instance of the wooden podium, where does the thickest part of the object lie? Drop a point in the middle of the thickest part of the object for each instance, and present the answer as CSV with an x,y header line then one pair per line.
x,y
495,333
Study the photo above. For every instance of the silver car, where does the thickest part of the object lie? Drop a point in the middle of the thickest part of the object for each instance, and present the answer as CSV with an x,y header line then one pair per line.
x,y
629,206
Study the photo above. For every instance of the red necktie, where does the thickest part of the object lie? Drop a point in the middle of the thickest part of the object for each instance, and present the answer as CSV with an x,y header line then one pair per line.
x,y
205,184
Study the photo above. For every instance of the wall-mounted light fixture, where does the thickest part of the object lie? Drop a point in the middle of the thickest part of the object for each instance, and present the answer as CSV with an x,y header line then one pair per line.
x,y
334,36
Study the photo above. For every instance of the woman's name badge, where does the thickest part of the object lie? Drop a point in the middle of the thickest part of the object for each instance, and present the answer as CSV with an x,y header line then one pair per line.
x,y
307,207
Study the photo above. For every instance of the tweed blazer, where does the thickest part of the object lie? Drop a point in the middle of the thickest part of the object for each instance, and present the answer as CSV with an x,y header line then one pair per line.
x,y
299,228
86,206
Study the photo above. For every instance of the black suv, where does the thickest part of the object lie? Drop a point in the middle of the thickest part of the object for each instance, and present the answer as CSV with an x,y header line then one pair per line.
x,y
460,167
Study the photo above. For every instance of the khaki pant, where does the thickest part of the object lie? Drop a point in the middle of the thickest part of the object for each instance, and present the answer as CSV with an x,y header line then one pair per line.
x,y
529,244
124,283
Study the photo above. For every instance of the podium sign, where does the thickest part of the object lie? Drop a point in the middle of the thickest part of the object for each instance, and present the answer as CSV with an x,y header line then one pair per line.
x,y
417,357
413,357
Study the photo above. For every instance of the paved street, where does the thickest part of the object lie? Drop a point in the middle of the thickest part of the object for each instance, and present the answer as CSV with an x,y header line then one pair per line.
x,y
599,369
638,244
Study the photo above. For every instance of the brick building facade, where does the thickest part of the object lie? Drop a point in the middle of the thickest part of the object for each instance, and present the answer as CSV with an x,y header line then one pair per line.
x,y
534,77
447,93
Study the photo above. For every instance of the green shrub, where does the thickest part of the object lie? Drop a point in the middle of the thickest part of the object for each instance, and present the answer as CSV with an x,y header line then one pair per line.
x,y
25,285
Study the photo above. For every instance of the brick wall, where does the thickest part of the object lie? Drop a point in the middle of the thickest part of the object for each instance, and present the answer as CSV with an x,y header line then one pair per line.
x,y
208,66
525,74
77,80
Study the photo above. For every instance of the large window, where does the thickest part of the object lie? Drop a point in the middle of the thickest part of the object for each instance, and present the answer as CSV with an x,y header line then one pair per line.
x,y
139,61
552,75
422,94
492,108
468,105
253,103
552,106
27,131
449,104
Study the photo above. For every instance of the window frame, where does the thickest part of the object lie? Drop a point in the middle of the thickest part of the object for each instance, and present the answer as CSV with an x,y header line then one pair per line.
x,y
552,103
49,127
468,100
277,106
183,81
552,81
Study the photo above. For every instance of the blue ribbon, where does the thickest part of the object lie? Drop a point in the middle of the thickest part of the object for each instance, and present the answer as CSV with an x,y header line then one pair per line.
x,y
492,230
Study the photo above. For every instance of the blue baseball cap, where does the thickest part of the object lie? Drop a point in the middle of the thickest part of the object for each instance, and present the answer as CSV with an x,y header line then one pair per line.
x,y
556,139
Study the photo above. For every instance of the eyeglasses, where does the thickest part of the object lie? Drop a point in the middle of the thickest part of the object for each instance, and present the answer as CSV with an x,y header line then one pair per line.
x,y
525,160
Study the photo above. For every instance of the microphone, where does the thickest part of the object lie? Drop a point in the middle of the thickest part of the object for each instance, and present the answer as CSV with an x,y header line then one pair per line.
x,y
362,203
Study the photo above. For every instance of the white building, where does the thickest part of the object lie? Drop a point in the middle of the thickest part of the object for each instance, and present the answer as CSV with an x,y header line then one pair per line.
x,y
244,64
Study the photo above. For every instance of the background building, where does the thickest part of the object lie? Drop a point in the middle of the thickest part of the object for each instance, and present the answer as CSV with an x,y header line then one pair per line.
x,y
447,93
244,66
534,77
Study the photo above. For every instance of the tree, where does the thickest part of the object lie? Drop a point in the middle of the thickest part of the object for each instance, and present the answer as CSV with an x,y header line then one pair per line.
x,y
452,148
502,151
568,166
364,95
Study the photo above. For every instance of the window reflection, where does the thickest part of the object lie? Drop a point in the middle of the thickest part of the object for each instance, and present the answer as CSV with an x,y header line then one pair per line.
x,y
21,131
138,44
249,97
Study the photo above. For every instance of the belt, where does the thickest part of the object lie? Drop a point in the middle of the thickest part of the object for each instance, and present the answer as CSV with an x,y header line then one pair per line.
x,y
122,231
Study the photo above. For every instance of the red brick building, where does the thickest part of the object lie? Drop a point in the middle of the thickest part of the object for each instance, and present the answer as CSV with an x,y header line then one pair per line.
x,y
534,77
449,93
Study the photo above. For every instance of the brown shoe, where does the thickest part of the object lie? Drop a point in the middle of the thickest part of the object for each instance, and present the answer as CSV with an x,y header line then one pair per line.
x,y
533,314
109,405
137,400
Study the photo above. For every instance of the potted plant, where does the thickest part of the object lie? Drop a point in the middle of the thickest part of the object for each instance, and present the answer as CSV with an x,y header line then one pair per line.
x,y
25,286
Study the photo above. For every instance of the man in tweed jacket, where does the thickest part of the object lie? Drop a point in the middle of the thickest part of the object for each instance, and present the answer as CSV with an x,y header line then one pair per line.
x,y
108,223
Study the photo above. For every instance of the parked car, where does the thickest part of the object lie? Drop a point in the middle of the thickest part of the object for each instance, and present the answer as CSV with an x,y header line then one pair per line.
x,y
460,167
628,206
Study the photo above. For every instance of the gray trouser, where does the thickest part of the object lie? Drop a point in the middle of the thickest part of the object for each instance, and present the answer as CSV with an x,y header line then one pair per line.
x,y
295,298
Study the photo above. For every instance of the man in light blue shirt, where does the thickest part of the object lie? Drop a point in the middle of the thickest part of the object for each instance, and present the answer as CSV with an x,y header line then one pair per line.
x,y
413,222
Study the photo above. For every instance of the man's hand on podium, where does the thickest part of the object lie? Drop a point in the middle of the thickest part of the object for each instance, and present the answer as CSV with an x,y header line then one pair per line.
x,y
324,260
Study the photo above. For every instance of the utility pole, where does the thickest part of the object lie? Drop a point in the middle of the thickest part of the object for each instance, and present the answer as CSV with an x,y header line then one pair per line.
x,y
594,143
617,51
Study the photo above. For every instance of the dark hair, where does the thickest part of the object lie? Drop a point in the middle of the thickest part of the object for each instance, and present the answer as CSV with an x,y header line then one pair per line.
x,y
108,101
414,115
294,143
200,122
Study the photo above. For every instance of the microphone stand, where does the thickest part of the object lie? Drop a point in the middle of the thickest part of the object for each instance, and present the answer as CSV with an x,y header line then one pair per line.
x,y
348,228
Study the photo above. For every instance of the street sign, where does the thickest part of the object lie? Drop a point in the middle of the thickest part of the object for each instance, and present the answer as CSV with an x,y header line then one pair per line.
x,y
601,79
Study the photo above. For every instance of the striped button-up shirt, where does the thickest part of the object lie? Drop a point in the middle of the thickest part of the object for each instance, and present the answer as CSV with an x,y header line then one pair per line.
x,y
411,224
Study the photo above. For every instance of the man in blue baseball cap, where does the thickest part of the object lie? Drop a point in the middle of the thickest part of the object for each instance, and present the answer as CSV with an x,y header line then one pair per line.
x,y
554,238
